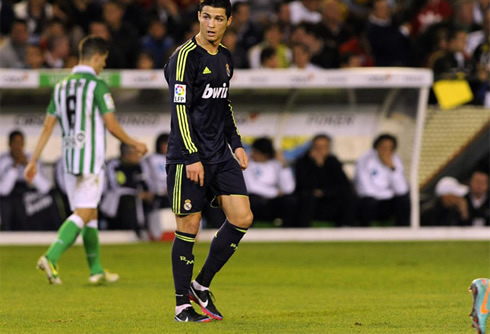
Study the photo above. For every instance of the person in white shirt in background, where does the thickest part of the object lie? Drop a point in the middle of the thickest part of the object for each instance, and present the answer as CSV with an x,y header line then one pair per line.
x,y
16,206
381,185
154,169
270,184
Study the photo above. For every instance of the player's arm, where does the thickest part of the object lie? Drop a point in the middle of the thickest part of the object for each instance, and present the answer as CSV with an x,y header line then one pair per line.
x,y
105,103
31,168
233,137
180,73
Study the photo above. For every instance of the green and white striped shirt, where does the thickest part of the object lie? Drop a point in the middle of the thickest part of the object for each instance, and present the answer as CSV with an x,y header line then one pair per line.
x,y
79,101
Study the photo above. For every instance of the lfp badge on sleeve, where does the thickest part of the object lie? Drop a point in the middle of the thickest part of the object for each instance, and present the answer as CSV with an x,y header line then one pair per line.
x,y
179,94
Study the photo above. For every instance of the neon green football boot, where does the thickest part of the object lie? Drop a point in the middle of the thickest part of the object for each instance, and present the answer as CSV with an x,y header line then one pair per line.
x,y
479,313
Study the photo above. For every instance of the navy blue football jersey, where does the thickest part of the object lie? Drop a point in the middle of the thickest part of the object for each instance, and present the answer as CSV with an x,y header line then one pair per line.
x,y
202,121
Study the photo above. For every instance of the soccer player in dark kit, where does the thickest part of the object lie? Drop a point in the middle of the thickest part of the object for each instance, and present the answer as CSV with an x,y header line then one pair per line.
x,y
199,159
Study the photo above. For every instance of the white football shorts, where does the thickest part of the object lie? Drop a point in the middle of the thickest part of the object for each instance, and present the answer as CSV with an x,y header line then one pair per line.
x,y
84,191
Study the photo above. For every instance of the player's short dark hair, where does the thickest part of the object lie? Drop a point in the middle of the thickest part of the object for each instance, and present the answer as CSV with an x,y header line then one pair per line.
x,y
385,136
267,53
321,136
264,146
217,4
92,45
14,134
162,138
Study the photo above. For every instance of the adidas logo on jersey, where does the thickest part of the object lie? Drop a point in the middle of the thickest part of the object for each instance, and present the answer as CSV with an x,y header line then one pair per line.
x,y
206,71
215,93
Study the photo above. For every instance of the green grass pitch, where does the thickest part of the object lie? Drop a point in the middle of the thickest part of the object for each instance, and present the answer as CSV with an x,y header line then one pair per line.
x,y
391,287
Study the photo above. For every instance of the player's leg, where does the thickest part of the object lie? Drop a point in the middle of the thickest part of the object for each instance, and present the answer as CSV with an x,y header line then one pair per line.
x,y
238,219
67,234
90,235
186,200
480,289
229,185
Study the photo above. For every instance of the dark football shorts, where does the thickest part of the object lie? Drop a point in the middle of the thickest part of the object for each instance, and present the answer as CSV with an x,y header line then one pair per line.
x,y
225,178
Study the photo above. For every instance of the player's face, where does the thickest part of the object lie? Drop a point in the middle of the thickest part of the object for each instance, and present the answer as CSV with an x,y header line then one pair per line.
x,y
100,62
213,23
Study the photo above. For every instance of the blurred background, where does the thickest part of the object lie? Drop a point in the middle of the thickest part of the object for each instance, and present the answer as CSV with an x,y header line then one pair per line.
x,y
334,100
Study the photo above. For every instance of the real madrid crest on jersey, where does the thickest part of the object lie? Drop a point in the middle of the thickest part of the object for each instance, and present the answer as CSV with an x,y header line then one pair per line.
x,y
187,204
228,73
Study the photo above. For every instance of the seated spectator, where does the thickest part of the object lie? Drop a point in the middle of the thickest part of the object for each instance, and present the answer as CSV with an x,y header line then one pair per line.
x,y
305,11
270,184
268,58
34,58
154,169
248,34
57,52
321,54
36,13
449,208
158,43
24,206
302,57
389,42
13,49
145,61
332,27
116,58
323,189
350,60
381,185
478,199
230,40
127,190
272,39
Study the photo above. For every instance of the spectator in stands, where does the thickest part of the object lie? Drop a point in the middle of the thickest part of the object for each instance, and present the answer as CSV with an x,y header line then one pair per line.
x,y
230,40
389,42
449,207
13,50
82,12
453,63
272,39
145,61
350,60
158,43
323,189
478,199
116,58
302,57
305,11
321,54
34,57
481,54
464,11
127,190
268,58
332,27
57,52
270,184
36,13
381,185
122,33
24,206
283,18
430,13
135,15
248,33
167,12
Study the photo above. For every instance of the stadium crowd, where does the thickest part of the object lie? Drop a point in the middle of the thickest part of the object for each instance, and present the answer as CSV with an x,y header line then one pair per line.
x,y
449,36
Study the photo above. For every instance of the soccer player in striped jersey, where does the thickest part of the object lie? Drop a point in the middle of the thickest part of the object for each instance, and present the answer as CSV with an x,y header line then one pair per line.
x,y
84,107
199,160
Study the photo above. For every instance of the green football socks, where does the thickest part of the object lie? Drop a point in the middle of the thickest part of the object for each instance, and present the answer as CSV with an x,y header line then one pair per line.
x,y
90,236
67,234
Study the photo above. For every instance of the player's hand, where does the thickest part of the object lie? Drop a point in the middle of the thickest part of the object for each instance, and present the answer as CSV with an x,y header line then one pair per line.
x,y
242,158
30,171
195,173
141,148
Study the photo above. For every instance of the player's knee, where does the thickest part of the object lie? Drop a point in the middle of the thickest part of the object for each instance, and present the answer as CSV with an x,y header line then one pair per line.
x,y
244,220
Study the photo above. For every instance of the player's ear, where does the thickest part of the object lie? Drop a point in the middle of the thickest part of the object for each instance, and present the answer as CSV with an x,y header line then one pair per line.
x,y
229,21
